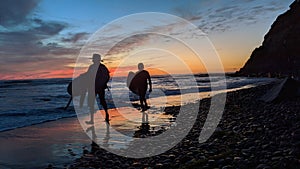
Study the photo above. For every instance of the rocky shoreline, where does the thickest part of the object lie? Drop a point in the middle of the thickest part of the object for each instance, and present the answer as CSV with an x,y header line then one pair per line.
x,y
251,134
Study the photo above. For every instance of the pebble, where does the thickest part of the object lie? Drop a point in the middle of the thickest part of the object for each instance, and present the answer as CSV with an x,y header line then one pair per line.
x,y
227,167
237,158
262,166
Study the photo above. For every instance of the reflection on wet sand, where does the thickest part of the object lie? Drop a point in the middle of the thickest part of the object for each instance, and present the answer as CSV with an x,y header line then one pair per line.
x,y
94,145
126,125
144,128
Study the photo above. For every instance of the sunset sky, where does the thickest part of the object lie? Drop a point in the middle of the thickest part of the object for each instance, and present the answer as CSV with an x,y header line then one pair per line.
x,y
43,38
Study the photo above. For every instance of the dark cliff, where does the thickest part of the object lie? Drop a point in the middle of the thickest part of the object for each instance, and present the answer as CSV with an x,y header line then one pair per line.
x,y
280,52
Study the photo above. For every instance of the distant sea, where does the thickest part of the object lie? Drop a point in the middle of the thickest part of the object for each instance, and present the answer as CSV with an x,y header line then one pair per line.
x,y
28,102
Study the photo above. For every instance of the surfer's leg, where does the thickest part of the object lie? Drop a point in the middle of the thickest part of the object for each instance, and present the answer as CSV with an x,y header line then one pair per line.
x,y
146,105
143,100
91,102
82,97
140,93
103,103
68,103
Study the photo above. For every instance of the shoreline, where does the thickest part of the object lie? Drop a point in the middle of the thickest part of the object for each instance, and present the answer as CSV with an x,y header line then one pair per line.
x,y
39,123
79,143
57,142
14,120
251,134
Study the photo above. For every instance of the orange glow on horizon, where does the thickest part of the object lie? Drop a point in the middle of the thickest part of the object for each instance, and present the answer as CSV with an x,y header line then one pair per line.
x,y
195,67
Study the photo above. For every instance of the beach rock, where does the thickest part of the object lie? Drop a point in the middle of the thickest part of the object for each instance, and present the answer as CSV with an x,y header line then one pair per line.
x,y
237,158
50,166
228,167
288,88
262,166
85,152
236,129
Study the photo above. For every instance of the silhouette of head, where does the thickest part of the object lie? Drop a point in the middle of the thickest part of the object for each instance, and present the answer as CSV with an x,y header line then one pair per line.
x,y
141,66
96,58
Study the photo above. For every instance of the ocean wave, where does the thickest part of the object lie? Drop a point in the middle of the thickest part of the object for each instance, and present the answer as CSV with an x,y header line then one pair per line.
x,y
17,81
37,101
42,112
21,125
12,114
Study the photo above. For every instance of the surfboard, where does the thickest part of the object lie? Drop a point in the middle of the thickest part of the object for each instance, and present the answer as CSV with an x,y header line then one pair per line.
x,y
138,81
78,86
130,83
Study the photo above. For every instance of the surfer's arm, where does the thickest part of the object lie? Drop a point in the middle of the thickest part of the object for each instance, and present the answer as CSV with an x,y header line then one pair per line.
x,y
150,83
108,73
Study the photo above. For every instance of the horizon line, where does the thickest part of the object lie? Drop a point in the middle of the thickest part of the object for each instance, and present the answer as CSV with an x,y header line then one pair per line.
x,y
71,77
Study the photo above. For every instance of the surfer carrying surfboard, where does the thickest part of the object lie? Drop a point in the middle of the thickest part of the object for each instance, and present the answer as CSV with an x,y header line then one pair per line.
x,y
98,77
137,83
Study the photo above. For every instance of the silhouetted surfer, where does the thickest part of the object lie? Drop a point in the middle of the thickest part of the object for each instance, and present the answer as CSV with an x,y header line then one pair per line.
x,y
137,83
98,78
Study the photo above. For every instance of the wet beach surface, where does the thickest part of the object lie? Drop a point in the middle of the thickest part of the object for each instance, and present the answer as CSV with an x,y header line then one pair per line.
x,y
57,142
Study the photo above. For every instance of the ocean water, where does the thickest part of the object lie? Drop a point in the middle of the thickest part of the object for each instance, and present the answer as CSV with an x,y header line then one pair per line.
x,y
28,102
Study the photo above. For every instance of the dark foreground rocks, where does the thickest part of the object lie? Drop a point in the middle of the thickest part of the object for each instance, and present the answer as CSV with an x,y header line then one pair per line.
x,y
251,134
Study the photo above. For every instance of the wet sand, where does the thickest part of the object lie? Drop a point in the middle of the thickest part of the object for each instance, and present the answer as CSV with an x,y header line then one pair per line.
x,y
58,142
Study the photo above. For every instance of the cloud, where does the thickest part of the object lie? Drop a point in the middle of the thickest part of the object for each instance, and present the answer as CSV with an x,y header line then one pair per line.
x,y
51,67
73,38
15,12
33,34
188,11
49,28
216,17
31,43
129,43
